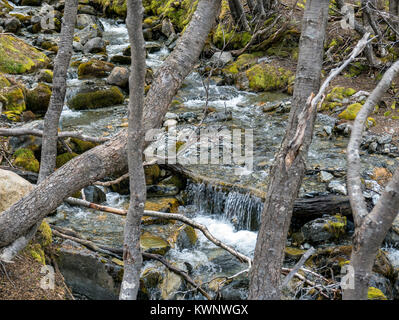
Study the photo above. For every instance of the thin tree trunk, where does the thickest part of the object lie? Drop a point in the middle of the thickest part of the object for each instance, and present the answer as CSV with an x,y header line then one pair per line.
x,y
238,13
61,64
132,257
370,228
51,120
289,167
111,157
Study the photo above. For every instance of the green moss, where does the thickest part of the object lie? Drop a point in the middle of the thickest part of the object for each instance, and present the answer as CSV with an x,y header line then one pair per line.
x,y
3,81
81,146
37,253
16,56
25,158
265,77
13,99
230,39
375,294
45,235
94,68
243,62
336,226
38,99
64,158
350,112
46,75
97,99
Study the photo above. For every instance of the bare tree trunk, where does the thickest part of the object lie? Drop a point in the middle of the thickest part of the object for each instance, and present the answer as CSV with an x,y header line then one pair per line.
x,y
111,157
370,228
289,167
132,257
238,13
51,120
61,64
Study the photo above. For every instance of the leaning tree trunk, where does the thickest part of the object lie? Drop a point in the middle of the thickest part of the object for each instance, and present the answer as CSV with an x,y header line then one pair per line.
x,y
52,118
370,228
61,64
238,14
289,166
111,157
132,257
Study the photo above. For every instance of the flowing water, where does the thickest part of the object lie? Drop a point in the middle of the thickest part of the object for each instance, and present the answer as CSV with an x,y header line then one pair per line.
x,y
231,216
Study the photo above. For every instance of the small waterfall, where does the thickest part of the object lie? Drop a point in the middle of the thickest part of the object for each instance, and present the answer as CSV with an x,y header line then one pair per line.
x,y
243,210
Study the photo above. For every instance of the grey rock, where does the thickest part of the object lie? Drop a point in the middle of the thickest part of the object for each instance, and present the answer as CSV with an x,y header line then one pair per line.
x,y
12,25
119,76
337,187
320,229
325,176
94,194
94,45
219,59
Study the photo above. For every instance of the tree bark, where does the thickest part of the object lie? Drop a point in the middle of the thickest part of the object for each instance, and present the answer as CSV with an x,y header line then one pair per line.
x,y
132,257
111,157
61,64
289,167
370,228
238,14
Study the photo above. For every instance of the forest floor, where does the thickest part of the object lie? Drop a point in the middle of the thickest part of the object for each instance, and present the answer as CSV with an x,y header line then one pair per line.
x,y
22,281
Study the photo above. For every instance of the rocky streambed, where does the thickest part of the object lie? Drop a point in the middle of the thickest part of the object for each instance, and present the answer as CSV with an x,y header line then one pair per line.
x,y
227,197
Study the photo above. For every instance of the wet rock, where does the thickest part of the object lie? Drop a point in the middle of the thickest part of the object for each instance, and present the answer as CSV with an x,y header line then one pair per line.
x,y
337,187
236,290
94,68
12,188
85,20
162,190
188,117
85,9
119,77
95,45
324,176
167,28
168,205
219,116
380,282
45,75
121,59
344,129
94,194
12,25
153,47
89,32
151,243
88,273
282,106
325,228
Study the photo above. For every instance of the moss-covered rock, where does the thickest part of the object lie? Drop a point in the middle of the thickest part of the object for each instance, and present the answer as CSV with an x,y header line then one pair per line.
x,y
266,77
152,174
97,99
350,112
375,294
64,158
13,101
167,204
4,81
45,75
5,6
38,99
17,57
25,158
230,39
94,68
242,63
44,235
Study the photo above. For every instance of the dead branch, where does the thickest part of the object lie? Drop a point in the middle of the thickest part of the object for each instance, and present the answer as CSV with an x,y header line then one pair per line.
x,y
16,132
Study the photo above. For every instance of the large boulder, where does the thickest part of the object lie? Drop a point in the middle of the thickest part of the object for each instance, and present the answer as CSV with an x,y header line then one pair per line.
x,y
100,98
38,99
12,188
94,68
17,57
119,77
95,45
